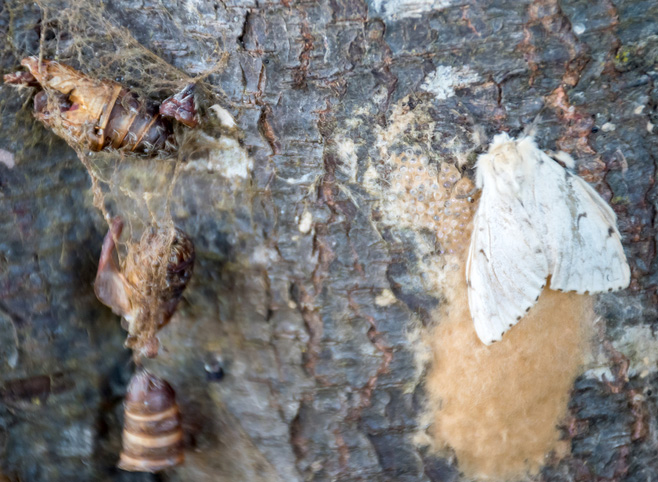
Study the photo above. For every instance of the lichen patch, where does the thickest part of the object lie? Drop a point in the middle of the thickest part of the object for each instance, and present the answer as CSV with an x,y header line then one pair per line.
x,y
399,9
7,158
225,156
443,81
639,344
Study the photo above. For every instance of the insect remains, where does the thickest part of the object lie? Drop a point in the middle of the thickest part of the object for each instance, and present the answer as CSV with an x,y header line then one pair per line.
x,y
101,114
152,437
146,290
536,219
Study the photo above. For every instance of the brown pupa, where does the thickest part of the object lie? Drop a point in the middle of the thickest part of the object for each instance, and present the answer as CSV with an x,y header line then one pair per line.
x,y
101,114
152,435
146,290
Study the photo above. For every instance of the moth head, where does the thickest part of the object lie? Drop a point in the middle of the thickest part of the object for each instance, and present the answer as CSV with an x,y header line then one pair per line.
x,y
502,163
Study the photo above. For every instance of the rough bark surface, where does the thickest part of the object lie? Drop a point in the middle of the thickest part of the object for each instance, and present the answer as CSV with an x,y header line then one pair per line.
x,y
321,379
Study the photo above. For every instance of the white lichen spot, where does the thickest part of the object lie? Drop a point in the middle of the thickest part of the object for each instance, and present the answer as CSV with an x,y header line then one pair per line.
x,y
370,179
399,9
608,127
306,222
263,256
649,127
227,158
385,298
443,81
225,119
76,441
7,158
638,110
353,122
347,154
600,373
305,179
639,344
380,95
579,29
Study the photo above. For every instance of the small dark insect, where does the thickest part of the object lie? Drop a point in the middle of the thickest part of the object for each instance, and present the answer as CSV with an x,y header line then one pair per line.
x,y
152,435
101,114
146,290
214,366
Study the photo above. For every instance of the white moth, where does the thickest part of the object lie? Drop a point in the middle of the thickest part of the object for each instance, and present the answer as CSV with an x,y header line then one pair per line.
x,y
536,219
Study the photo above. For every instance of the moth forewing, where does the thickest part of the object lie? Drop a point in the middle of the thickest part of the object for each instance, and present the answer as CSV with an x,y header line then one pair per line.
x,y
500,294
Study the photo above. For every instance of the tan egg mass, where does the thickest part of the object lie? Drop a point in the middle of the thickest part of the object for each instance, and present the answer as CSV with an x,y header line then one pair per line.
x,y
436,198
498,408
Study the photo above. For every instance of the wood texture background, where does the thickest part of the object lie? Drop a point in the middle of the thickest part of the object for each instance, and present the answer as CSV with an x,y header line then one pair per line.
x,y
321,382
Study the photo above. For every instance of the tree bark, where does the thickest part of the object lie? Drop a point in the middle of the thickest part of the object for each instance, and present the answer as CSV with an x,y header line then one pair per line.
x,y
304,288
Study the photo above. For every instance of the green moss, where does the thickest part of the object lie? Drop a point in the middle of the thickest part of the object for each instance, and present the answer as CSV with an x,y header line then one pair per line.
x,y
619,200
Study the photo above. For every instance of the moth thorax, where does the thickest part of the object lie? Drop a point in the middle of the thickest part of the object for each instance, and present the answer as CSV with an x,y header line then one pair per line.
x,y
152,433
501,172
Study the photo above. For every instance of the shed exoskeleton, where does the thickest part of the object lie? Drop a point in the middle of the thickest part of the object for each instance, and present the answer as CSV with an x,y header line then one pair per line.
x,y
101,114
146,289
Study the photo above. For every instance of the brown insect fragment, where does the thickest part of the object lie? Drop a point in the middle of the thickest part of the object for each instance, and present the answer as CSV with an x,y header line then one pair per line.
x,y
152,435
100,114
146,290
33,392
21,78
181,107
641,415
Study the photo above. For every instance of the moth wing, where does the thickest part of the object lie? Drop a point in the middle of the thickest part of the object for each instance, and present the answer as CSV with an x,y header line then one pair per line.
x,y
506,268
583,244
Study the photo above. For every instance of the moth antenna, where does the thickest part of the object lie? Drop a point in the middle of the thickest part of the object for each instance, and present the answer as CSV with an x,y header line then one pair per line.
x,y
531,129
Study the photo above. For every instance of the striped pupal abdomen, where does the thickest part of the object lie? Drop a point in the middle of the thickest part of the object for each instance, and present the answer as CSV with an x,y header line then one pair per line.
x,y
152,433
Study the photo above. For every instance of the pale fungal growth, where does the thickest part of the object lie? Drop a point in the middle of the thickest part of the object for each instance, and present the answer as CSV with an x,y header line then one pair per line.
x,y
536,219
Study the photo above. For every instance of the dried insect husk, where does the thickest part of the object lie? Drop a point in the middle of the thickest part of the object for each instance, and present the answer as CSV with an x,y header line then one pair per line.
x,y
157,271
152,435
96,114
150,284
